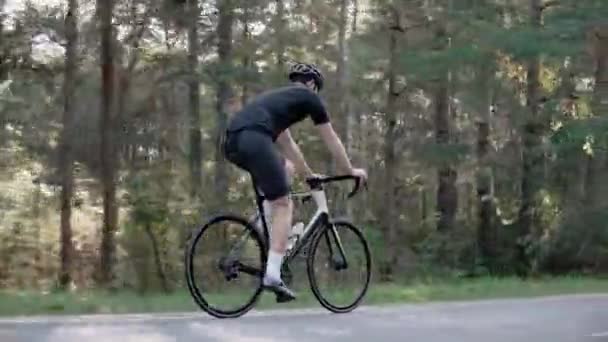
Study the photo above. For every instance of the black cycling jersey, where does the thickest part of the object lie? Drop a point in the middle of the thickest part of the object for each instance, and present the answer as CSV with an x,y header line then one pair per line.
x,y
278,109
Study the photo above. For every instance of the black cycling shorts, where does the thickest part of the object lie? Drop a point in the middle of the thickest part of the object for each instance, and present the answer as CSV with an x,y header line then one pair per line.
x,y
255,152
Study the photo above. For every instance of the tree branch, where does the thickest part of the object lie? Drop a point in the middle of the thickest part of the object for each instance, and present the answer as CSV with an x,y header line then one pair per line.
x,y
419,20
137,34
550,3
141,107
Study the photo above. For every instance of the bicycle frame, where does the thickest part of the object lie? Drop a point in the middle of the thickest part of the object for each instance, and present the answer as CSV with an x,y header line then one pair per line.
x,y
320,218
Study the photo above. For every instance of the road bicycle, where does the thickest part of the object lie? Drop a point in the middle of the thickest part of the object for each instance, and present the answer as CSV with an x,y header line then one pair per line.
x,y
246,257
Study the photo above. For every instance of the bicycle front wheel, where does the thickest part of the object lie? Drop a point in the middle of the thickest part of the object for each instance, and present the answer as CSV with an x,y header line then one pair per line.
x,y
224,266
339,266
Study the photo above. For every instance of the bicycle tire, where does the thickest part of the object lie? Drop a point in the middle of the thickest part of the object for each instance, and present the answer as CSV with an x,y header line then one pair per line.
x,y
189,268
344,224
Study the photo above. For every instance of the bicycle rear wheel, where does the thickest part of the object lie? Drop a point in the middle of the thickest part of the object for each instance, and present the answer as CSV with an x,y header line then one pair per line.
x,y
224,266
340,258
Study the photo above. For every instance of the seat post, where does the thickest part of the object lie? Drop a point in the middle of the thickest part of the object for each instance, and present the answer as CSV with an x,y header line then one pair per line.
x,y
259,197
259,200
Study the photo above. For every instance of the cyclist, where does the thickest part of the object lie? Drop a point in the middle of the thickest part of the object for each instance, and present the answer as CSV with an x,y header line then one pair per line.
x,y
258,140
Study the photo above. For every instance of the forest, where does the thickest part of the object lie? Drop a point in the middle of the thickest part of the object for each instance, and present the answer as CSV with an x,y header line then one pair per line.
x,y
482,125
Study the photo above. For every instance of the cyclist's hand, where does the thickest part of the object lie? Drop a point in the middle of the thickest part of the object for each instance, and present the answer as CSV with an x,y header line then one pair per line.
x,y
316,176
360,173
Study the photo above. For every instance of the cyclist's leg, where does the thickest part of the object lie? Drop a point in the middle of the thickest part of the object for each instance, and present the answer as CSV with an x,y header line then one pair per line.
x,y
270,175
238,157
290,171
268,169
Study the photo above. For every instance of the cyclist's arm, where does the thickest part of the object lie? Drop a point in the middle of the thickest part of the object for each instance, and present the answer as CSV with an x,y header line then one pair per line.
x,y
320,118
291,150
335,146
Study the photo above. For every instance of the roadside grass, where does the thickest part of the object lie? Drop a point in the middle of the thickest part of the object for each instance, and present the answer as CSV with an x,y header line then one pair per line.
x,y
24,303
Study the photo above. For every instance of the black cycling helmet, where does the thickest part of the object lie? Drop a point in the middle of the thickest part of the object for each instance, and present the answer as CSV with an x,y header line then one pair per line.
x,y
306,70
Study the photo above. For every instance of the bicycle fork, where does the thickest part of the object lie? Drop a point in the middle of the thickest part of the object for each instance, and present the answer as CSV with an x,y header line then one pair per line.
x,y
338,261
338,264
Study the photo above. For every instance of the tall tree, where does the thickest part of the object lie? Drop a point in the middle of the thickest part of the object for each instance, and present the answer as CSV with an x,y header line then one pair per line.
x,y
196,158
108,155
390,138
447,194
66,159
341,77
3,57
246,59
281,25
224,90
486,237
533,159
342,88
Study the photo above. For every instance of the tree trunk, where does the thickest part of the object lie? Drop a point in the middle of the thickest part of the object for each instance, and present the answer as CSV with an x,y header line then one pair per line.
x,y
447,194
354,119
108,155
196,143
389,220
157,259
66,159
280,29
224,93
3,65
533,160
600,96
486,232
485,228
341,77
36,266
246,56
423,207
342,93
355,15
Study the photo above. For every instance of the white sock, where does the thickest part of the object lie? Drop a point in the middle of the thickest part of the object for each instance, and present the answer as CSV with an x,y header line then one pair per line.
x,y
273,267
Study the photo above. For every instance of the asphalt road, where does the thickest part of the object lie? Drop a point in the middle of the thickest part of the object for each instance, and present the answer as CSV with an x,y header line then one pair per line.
x,y
552,319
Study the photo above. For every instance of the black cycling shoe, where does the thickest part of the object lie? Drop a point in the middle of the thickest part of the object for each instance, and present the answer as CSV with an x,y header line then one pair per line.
x,y
284,294
282,298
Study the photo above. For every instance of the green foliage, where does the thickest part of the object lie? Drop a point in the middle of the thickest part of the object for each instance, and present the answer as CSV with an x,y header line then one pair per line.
x,y
145,196
579,243
448,253
483,63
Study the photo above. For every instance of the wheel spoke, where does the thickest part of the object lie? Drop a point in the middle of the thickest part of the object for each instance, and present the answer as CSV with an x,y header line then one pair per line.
x,y
214,281
327,264
238,246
